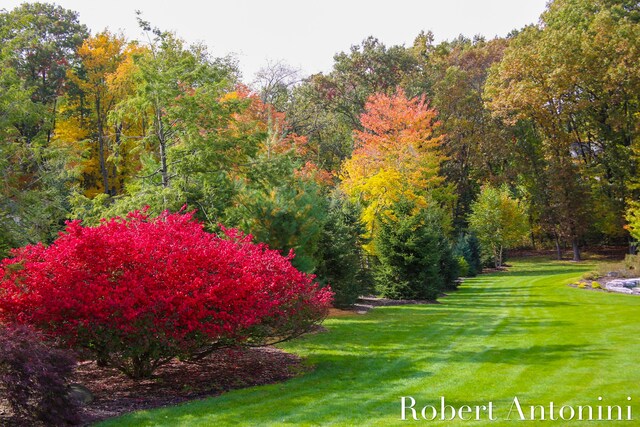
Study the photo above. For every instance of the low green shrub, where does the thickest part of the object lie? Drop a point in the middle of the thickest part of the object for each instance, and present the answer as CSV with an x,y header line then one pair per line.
x,y
463,266
591,275
468,246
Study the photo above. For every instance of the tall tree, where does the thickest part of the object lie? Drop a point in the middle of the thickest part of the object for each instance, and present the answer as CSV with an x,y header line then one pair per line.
x,y
37,45
477,146
177,97
573,77
39,41
102,79
397,156
327,107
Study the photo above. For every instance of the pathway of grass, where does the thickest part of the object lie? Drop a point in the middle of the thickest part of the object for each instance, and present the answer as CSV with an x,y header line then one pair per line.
x,y
522,333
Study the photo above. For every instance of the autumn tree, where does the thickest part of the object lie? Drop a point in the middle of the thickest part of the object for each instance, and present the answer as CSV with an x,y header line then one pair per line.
x,y
102,79
327,107
396,156
565,75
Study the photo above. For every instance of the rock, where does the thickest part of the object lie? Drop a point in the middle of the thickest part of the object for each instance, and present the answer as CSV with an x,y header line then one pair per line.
x,y
80,394
619,289
625,283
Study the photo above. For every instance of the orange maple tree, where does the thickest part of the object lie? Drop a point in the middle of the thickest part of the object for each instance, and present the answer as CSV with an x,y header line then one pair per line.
x,y
396,155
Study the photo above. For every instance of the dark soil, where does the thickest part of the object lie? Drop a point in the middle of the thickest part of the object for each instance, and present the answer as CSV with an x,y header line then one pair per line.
x,y
115,394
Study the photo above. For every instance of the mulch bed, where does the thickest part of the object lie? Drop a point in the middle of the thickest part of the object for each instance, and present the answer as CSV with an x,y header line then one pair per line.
x,y
177,382
115,394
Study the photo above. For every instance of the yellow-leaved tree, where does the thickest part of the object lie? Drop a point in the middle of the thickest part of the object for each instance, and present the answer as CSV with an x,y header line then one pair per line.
x,y
97,142
396,156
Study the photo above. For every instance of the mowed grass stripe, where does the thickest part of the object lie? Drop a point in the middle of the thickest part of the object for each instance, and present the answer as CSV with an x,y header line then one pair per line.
x,y
519,333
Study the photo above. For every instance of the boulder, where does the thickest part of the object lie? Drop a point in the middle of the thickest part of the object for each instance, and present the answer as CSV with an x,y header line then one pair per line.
x,y
80,394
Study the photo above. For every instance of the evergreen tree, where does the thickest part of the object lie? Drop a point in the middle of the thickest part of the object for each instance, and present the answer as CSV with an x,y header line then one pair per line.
x,y
416,261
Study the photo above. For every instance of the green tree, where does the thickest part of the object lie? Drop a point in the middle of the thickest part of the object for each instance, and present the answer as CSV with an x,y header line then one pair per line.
x,y
499,221
415,258
39,41
34,182
281,209
187,146
477,146
342,261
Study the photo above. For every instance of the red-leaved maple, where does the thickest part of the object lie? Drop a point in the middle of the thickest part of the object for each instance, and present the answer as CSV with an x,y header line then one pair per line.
x,y
138,291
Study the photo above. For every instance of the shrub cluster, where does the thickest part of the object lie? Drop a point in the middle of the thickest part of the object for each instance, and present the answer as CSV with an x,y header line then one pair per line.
x,y
139,291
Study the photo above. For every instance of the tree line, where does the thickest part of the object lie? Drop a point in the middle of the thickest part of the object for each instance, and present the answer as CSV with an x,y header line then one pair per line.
x,y
402,165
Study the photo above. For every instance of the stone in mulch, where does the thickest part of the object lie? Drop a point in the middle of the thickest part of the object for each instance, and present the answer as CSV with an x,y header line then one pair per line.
x,y
624,286
611,283
367,303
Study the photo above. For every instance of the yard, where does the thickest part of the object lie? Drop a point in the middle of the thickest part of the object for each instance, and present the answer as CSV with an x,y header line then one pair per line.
x,y
522,333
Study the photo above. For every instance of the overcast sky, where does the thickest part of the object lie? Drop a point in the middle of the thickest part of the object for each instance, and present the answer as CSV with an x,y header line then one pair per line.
x,y
304,34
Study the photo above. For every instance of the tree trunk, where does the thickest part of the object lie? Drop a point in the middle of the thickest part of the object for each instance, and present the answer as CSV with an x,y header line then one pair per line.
x,y
533,241
162,142
558,248
102,149
576,249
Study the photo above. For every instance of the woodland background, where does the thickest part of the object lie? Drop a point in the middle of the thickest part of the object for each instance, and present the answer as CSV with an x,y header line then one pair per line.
x,y
330,165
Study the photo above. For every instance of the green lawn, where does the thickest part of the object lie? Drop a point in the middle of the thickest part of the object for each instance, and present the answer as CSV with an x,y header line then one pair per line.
x,y
522,333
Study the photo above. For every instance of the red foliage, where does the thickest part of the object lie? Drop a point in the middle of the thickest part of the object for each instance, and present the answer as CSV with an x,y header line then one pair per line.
x,y
393,122
154,288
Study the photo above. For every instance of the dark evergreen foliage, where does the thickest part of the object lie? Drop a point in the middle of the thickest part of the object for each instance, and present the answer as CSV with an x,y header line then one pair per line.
x,y
415,259
342,261
468,247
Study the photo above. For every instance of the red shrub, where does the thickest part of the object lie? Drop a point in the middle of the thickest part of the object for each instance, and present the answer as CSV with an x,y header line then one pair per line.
x,y
140,291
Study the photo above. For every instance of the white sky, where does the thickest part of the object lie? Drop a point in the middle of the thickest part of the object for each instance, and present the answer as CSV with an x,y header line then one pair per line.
x,y
303,34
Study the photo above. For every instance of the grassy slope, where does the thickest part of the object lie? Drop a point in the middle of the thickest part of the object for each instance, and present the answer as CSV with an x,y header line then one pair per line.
x,y
522,333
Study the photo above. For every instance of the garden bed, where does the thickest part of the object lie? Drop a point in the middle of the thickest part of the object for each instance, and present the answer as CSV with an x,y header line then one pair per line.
x,y
115,394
